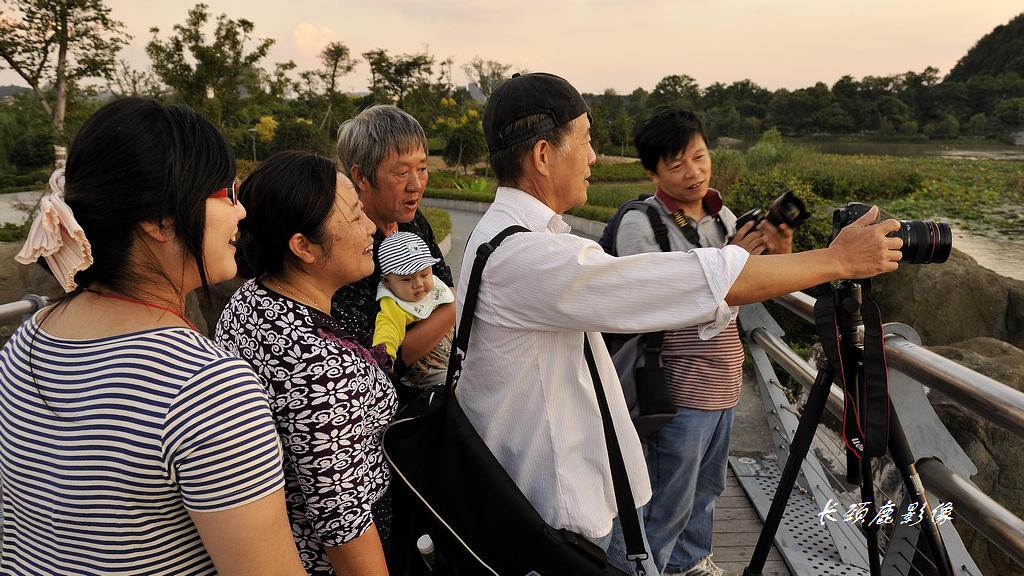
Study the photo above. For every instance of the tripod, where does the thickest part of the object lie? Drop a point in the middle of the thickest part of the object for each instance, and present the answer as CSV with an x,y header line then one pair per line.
x,y
845,299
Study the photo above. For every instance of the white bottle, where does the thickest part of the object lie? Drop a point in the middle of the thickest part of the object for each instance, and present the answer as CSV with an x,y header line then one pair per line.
x,y
426,547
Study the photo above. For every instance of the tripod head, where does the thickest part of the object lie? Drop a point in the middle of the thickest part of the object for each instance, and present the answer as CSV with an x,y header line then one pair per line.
x,y
847,296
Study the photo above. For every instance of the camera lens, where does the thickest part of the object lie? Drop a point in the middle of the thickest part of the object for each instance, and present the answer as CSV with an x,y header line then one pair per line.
x,y
924,242
788,209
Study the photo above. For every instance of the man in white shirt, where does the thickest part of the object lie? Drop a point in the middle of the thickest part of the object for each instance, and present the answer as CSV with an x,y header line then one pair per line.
x,y
525,385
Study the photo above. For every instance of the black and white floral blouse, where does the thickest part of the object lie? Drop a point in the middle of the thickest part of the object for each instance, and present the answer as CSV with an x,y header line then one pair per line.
x,y
331,399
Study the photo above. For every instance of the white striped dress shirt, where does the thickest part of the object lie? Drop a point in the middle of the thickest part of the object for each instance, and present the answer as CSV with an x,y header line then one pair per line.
x,y
525,384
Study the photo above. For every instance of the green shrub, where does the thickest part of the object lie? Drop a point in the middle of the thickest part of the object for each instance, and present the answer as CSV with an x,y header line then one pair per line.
x,y
857,178
475,185
456,194
595,213
760,190
13,232
614,194
622,172
443,179
435,146
727,166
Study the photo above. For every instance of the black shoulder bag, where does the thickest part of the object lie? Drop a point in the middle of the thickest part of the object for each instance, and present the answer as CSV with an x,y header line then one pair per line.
x,y
479,520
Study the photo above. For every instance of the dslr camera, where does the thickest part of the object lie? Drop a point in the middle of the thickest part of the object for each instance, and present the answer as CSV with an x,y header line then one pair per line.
x,y
924,242
786,209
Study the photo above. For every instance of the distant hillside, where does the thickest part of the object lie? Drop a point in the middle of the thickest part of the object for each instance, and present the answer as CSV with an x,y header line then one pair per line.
x,y
11,90
1002,50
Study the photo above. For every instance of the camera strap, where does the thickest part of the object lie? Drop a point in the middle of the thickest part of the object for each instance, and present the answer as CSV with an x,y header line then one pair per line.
x,y
690,231
865,427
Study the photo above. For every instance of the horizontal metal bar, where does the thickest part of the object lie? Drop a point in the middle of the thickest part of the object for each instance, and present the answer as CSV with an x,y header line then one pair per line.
x,y
988,398
1000,526
27,305
992,400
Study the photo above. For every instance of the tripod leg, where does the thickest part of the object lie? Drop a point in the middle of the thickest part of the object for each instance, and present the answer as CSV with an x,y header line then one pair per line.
x,y
899,449
798,448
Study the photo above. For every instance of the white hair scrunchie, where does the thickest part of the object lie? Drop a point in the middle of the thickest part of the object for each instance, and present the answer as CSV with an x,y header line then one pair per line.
x,y
56,236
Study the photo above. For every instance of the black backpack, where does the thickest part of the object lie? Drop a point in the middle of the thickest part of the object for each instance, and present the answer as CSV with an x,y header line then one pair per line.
x,y
607,240
637,357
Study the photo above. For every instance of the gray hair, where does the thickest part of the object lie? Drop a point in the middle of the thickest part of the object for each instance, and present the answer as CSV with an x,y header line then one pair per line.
x,y
368,138
507,163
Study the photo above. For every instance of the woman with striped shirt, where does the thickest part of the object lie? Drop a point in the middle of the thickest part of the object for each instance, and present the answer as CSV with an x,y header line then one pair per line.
x,y
129,443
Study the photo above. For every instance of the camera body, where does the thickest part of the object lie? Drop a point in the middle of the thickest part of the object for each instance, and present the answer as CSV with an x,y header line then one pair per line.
x,y
924,242
786,209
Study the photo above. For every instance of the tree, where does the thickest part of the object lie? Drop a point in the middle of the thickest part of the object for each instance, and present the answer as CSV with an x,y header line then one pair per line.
x,y
1011,112
466,145
212,85
126,81
337,62
676,90
638,106
300,134
60,42
395,77
976,126
488,74
724,122
999,51
461,127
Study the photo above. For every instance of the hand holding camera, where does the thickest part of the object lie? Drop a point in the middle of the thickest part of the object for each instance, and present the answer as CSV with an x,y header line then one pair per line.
x,y
771,232
866,249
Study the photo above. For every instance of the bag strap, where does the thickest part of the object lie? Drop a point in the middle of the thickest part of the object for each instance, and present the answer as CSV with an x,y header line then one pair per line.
x,y
653,340
660,231
632,533
461,342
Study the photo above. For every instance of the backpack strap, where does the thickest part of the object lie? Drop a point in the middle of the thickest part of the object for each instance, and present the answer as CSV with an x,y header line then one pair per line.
x,y
461,342
658,225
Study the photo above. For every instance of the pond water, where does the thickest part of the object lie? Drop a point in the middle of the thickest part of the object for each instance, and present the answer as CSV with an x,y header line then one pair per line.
x,y
981,150
1001,254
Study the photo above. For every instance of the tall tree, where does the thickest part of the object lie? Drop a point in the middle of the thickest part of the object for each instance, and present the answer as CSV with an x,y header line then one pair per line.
x,y
221,67
488,74
126,81
395,77
676,90
337,61
60,42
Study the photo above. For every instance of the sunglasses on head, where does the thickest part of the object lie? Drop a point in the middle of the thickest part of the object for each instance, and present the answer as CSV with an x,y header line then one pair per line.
x,y
231,193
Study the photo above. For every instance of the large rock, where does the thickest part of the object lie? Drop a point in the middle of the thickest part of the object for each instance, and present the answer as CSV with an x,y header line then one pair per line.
x,y
952,302
996,452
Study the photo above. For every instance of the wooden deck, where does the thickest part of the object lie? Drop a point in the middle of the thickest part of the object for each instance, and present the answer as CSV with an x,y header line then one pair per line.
x,y
737,529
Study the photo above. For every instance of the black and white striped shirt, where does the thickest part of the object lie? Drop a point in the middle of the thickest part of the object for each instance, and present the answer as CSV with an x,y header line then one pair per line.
x,y
107,443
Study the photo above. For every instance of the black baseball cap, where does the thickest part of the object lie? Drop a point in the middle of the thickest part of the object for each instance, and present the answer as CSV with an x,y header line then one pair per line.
x,y
524,95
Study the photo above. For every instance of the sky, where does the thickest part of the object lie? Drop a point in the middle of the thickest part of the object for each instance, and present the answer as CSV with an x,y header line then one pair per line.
x,y
601,44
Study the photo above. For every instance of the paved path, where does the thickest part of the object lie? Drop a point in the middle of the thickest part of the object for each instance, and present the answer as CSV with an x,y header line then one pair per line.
x,y
10,210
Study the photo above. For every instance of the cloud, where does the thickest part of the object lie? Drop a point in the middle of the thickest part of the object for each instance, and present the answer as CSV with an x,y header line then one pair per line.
x,y
310,40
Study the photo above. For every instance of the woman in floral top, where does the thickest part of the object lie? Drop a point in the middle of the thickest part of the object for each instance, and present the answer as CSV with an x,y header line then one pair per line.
x,y
306,236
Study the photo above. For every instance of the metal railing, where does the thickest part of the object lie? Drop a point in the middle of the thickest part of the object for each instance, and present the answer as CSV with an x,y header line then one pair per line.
x,y
22,308
944,468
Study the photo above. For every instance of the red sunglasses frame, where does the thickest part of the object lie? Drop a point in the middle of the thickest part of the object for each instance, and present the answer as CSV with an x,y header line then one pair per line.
x,y
229,193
